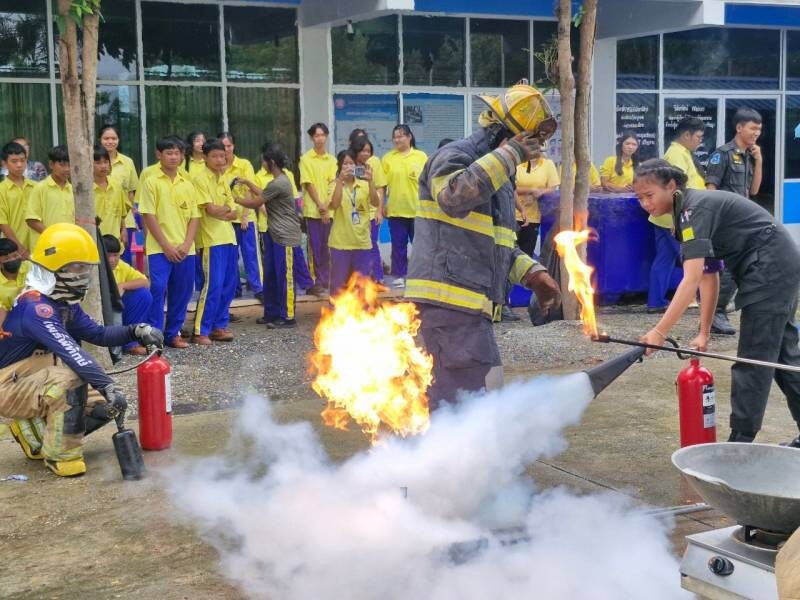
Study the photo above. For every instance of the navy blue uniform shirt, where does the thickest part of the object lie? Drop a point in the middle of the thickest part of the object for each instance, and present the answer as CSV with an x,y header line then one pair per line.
x,y
38,323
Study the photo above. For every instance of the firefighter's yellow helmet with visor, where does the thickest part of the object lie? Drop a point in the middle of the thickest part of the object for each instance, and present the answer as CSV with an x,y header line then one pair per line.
x,y
522,108
62,245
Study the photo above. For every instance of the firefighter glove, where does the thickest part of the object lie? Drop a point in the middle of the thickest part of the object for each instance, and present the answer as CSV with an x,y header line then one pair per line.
x,y
147,335
546,289
526,144
116,401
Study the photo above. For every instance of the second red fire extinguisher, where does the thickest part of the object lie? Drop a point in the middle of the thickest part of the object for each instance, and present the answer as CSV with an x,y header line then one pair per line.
x,y
696,405
155,403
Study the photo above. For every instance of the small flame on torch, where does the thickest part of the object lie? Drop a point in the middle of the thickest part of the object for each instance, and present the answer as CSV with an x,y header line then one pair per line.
x,y
580,275
367,365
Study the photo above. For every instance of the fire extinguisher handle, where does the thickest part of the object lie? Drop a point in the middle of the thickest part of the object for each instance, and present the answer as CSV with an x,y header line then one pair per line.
x,y
675,344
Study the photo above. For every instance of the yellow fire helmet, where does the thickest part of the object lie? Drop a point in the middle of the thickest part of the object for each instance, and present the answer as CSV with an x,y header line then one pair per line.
x,y
63,244
523,108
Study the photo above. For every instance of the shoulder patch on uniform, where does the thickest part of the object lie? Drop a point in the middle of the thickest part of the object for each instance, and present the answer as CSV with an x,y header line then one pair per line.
x,y
687,234
44,311
686,214
715,158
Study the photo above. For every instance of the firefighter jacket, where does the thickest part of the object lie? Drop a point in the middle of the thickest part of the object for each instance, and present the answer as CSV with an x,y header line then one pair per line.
x,y
464,232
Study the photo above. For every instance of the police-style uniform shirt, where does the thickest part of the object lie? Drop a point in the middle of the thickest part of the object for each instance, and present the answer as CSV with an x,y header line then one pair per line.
x,y
40,323
13,205
731,169
760,253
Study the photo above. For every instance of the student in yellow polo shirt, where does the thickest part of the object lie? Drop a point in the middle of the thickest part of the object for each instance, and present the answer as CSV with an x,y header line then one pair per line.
x,y
134,290
168,205
350,200
220,256
12,276
195,159
245,223
51,201
534,178
317,170
616,172
122,169
402,167
110,198
14,192
365,156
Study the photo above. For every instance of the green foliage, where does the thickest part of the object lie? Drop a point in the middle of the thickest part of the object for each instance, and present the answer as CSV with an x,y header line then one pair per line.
x,y
77,10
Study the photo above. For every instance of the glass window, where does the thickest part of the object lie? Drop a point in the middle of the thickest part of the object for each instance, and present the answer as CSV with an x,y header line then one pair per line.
x,y
116,48
179,110
180,41
25,111
637,63
792,137
545,52
433,117
433,51
639,112
260,44
117,105
367,56
722,59
793,60
499,52
23,38
253,125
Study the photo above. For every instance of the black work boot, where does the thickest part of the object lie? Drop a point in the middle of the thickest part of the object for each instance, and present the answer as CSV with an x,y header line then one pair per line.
x,y
721,325
508,315
746,437
795,443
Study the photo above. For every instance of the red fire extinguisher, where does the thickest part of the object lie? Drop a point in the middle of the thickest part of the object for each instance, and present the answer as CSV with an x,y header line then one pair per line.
x,y
155,403
696,405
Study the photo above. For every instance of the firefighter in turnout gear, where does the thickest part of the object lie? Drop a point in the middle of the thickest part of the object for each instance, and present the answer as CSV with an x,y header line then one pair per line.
x,y
43,369
465,241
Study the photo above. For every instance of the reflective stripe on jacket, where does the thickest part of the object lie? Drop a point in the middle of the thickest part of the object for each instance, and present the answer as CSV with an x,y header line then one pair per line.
x,y
465,228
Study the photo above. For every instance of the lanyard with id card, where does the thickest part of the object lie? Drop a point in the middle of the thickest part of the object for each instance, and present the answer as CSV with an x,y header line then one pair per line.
x,y
354,216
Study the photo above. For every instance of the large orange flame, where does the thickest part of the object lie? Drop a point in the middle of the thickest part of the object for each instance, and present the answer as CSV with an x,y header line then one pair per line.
x,y
580,275
367,364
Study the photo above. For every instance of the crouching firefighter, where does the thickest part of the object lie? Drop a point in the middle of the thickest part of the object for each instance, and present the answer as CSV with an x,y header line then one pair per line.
x,y
465,242
44,372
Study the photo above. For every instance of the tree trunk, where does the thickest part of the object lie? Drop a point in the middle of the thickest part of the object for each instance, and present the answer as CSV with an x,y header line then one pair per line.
x,y
582,98
566,87
78,90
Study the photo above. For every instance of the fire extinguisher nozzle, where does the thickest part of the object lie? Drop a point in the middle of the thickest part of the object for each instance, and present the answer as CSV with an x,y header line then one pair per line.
x,y
129,455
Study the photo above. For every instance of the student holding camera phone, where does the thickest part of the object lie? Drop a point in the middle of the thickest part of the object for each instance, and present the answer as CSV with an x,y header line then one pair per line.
x,y
353,196
365,155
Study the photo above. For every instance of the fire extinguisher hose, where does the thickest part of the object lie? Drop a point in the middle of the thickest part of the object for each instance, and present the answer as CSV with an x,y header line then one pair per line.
x,y
686,352
152,353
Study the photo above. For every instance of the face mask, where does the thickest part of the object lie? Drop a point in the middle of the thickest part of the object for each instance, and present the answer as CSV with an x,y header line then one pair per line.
x,y
71,287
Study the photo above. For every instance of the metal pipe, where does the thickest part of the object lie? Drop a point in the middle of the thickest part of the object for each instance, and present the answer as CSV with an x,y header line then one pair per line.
x,y
684,352
683,509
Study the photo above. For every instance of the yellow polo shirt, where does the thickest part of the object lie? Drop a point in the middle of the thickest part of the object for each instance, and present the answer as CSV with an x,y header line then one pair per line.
x,y
594,176
213,189
173,203
149,171
261,180
378,178
346,235
318,170
50,204
13,204
240,167
124,273
111,205
679,156
10,288
124,170
402,172
608,170
196,166
543,174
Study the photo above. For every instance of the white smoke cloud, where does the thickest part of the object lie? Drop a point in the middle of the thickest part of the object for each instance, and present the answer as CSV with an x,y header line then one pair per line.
x,y
291,525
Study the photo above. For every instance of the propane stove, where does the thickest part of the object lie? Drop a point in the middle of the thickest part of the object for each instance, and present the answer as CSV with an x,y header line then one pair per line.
x,y
732,562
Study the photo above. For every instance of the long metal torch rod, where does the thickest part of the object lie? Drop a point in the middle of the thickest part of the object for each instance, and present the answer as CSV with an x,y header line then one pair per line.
x,y
605,338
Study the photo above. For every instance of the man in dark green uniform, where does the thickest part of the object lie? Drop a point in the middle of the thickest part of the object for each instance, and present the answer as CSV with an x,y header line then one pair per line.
x,y
735,167
765,264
